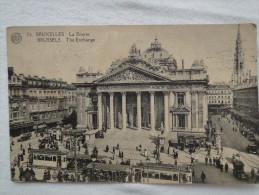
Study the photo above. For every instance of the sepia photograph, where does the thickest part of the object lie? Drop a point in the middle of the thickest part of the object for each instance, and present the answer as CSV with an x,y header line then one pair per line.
x,y
151,104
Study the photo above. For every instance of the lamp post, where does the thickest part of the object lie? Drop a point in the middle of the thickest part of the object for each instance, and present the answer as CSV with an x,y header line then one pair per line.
x,y
74,148
93,160
148,161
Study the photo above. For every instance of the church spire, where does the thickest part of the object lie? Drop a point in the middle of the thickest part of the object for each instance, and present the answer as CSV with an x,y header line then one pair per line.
x,y
238,69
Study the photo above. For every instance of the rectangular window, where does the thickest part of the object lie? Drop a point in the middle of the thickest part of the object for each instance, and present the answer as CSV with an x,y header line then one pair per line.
x,y
181,120
180,98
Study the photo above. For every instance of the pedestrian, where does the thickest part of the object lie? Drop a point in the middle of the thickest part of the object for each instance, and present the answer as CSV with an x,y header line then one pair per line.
x,y
21,146
175,162
210,161
119,153
221,167
122,154
113,150
13,172
252,173
176,154
54,175
193,174
118,146
206,160
192,160
203,177
226,167
107,148
168,150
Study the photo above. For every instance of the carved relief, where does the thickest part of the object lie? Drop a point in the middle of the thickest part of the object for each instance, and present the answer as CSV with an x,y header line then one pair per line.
x,y
129,75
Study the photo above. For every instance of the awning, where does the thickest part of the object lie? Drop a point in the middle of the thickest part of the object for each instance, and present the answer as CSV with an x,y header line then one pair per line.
x,y
17,125
245,116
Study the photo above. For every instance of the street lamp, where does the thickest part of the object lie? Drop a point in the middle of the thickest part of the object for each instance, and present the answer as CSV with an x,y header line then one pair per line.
x,y
93,160
148,161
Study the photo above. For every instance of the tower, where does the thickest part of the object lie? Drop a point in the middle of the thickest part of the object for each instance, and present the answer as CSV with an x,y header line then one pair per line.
x,y
238,69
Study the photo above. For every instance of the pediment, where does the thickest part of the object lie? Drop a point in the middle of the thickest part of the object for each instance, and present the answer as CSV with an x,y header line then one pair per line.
x,y
131,75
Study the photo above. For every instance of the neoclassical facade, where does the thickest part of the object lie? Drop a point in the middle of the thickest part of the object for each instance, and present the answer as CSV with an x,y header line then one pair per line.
x,y
145,91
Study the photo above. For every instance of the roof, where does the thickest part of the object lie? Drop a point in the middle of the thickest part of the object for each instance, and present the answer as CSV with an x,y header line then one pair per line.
x,y
238,162
109,167
161,167
46,151
84,156
213,87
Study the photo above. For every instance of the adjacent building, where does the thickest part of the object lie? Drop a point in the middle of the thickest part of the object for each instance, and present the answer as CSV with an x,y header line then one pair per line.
x,y
245,90
220,97
36,102
146,90
245,102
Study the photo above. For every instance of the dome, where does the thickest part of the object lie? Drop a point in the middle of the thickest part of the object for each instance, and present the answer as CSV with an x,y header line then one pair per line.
x,y
157,55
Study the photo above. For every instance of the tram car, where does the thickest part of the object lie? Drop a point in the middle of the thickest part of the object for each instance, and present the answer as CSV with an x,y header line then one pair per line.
x,y
160,173
102,172
43,158
48,158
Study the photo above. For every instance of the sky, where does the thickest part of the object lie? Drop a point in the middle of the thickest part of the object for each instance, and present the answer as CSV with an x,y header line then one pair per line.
x,y
214,44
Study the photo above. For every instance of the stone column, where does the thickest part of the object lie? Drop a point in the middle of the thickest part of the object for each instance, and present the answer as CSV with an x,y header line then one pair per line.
x,y
166,110
139,110
152,110
83,111
205,108
188,99
171,104
197,110
111,111
79,108
124,114
189,116
100,114
175,100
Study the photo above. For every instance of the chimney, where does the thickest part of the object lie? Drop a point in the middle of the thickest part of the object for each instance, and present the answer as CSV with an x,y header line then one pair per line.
x,y
182,64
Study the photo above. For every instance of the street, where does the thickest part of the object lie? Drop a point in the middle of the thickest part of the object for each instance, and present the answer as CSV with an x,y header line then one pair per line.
x,y
230,138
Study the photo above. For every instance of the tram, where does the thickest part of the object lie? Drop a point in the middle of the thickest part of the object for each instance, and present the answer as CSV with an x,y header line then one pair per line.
x,y
58,159
102,172
48,158
160,173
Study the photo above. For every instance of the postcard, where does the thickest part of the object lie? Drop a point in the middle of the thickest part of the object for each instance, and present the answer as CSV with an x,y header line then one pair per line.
x,y
154,104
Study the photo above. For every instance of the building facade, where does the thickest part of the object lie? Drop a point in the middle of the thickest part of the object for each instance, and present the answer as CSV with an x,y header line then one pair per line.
x,y
36,102
145,91
220,97
246,99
